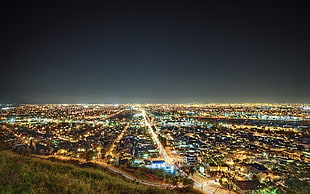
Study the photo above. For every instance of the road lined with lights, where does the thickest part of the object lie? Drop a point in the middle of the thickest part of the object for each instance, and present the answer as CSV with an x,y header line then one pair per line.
x,y
119,137
200,183
161,148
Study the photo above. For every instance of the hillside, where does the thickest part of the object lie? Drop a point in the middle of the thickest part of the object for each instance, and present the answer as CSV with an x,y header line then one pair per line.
x,y
20,174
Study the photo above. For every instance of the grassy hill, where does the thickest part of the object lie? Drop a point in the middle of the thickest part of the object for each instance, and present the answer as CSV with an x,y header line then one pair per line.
x,y
23,174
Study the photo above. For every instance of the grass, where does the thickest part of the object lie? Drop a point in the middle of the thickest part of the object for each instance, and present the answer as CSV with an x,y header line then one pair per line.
x,y
24,174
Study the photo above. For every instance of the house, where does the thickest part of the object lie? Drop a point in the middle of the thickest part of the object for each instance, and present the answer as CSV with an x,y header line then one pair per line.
x,y
190,159
246,186
215,168
257,170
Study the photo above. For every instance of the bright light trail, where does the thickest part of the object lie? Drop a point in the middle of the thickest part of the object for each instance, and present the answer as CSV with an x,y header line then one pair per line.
x,y
162,150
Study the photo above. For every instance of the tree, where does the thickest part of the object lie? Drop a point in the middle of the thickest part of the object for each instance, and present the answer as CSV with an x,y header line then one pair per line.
x,y
296,186
90,155
188,182
192,170
21,149
4,145
175,180
269,190
255,177
167,176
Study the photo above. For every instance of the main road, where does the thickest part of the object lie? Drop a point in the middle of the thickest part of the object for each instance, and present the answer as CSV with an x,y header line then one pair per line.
x,y
201,183
161,148
116,141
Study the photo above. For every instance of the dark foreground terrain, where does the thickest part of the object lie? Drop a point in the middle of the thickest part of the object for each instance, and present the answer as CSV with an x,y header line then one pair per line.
x,y
24,174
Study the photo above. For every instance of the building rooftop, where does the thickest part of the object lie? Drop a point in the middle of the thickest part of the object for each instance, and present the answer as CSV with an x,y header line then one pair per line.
x,y
248,185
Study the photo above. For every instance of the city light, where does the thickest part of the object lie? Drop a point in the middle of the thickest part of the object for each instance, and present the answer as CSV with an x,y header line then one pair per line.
x,y
209,144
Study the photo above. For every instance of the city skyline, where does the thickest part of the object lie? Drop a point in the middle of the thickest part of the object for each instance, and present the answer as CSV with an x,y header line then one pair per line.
x,y
213,148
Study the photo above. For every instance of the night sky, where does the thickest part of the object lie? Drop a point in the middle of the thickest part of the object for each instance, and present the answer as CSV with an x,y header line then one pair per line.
x,y
56,52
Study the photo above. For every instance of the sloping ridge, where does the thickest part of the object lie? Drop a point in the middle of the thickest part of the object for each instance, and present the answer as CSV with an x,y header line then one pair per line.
x,y
26,174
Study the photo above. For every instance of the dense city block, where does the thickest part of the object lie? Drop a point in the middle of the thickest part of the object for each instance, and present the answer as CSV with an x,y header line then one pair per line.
x,y
214,148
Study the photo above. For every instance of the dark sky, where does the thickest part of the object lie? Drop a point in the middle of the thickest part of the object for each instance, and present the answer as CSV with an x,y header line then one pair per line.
x,y
82,52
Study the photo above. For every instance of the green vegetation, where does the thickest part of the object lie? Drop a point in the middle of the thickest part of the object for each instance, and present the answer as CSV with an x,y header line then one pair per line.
x,y
296,186
24,174
90,154
162,139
